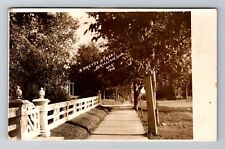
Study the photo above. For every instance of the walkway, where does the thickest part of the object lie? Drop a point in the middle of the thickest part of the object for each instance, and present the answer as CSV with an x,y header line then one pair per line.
x,y
121,124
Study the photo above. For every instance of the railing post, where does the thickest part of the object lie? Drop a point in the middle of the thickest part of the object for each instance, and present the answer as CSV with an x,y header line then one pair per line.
x,y
67,111
99,97
21,113
22,117
42,103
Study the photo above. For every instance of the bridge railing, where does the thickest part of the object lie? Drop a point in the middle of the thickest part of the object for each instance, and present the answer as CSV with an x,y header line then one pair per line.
x,y
27,120
13,123
59,113
23,120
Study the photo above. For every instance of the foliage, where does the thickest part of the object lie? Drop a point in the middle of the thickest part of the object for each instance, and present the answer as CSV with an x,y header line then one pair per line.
x,y
39,52
159,41
87,83
87,54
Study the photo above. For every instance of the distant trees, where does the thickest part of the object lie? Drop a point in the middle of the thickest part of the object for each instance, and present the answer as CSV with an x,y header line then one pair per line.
x,y
159,41
87,83
40,45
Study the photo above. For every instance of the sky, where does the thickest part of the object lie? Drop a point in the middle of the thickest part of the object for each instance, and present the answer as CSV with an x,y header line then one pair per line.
x,y
82,17
84,22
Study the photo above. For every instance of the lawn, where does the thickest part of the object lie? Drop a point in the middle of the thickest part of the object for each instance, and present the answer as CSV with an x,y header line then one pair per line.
x,y
176,120
111,102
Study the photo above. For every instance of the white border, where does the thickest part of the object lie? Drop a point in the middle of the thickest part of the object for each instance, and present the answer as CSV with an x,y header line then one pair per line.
x,y
204,65
204,68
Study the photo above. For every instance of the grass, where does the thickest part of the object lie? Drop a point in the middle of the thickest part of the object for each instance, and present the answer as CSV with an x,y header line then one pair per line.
x,y
175,123
81,126
112,101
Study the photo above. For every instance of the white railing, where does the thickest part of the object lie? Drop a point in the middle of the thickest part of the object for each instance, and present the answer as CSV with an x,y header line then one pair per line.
x,y
32,128
59,113
23,121
26,120
13,123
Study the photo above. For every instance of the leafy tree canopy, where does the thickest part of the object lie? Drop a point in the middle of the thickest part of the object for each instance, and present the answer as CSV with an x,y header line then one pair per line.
x,y
87,83
159,41
39,52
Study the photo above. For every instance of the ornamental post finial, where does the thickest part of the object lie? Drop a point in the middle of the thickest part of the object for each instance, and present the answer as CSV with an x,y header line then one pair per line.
x,y
41,93
18,92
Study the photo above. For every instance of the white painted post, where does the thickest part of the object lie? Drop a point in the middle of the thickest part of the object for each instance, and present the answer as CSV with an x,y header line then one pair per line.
x,y
66,110
152,126
21,113
43,103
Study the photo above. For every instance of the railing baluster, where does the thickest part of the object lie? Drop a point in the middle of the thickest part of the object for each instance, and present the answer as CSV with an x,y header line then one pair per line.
x,y
83,105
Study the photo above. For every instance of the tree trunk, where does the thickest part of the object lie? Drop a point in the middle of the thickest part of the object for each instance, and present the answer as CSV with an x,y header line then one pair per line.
x,y
104,94
135,97
131,92
116,93
186,92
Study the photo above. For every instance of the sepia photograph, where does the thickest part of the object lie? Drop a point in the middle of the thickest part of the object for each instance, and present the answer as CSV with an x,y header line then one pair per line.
x,y
100,74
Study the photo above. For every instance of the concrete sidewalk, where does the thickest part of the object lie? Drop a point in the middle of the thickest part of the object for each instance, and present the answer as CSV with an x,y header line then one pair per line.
x,y
120,125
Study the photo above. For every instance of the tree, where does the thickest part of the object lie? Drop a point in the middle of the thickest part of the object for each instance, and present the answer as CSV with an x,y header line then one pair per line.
x,y
40,45
87,83
158,41
87,54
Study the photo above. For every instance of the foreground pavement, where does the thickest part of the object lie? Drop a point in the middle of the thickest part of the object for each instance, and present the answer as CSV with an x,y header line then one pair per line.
x,y
120,124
